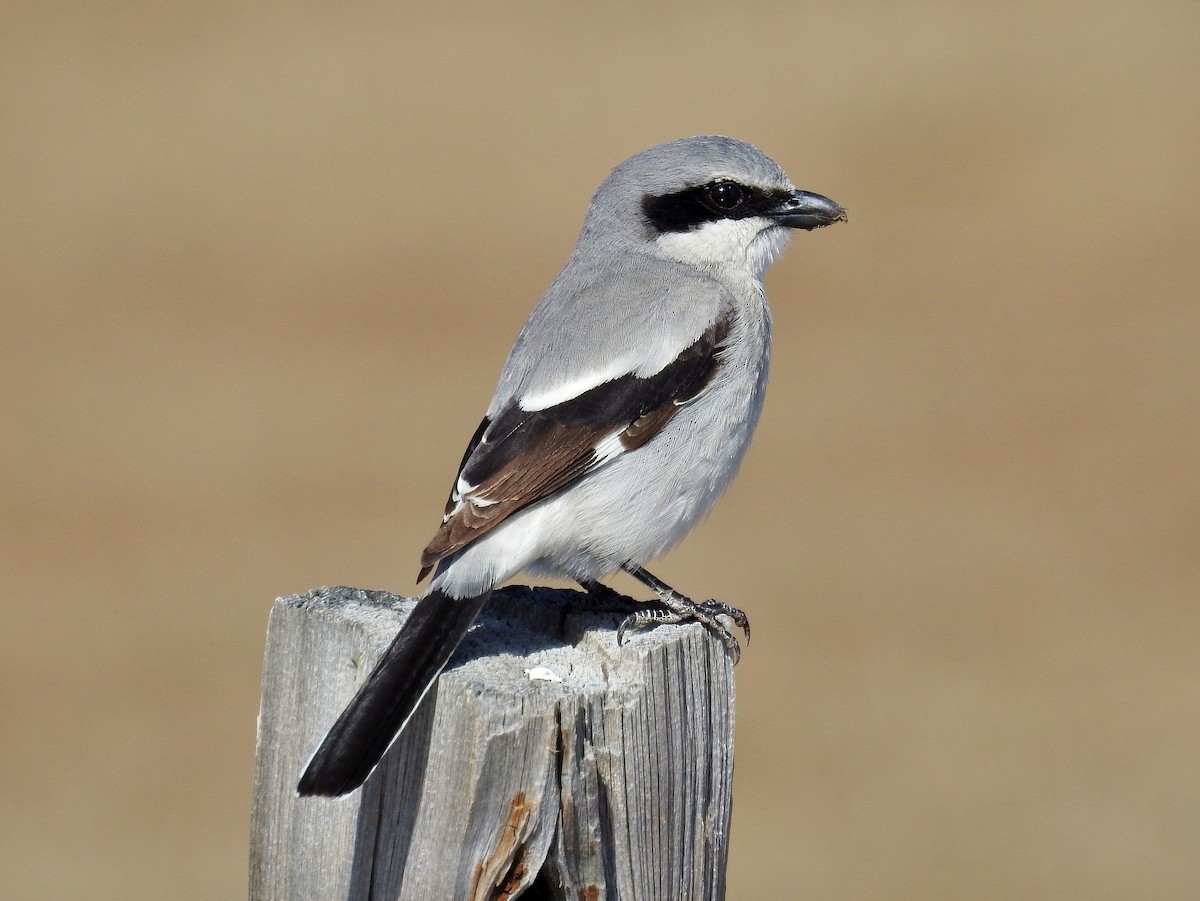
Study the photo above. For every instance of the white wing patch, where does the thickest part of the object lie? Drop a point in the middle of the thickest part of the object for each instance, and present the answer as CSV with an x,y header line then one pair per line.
x,y
643,366
609,447
569,389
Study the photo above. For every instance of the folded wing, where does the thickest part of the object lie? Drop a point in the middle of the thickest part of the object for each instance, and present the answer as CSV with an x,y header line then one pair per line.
x,y
520,457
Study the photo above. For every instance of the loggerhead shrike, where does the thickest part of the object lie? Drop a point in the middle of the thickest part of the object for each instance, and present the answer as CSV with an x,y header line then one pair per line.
x,y
622,413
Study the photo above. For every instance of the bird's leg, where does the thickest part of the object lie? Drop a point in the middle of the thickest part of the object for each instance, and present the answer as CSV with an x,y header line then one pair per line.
x,y
602,599
711,606
682,609
598,592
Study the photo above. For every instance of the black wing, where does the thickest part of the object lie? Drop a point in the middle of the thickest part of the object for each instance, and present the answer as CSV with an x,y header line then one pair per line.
x,y
522,456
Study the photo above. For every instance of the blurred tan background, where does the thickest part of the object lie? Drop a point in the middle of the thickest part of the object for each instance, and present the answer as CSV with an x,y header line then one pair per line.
x,y
260,266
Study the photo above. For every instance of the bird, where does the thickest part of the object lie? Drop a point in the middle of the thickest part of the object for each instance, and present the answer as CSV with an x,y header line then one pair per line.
x,y
622,413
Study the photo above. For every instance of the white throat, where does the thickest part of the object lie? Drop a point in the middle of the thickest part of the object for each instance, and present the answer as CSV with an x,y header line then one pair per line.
x,y
745,245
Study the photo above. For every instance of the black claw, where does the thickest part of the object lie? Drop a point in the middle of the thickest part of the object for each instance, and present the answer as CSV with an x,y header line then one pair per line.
x,y
700,613
672,608
716,608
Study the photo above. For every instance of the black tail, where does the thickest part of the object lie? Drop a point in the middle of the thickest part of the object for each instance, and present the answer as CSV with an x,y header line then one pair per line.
x,y
375,716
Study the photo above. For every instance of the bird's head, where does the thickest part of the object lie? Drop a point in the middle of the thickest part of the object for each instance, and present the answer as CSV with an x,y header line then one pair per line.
x,y
708,201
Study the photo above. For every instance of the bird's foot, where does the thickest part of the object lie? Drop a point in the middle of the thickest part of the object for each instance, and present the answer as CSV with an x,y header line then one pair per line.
x,y
738,616
671,608
679,609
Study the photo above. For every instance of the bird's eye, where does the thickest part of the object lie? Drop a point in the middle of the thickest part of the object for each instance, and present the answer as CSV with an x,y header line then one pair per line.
x,y
725,195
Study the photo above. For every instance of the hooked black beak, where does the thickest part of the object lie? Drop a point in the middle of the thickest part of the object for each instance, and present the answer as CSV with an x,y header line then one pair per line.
x,y
808,211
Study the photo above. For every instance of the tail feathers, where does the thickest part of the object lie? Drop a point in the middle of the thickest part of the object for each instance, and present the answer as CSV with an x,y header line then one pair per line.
x,y
377,714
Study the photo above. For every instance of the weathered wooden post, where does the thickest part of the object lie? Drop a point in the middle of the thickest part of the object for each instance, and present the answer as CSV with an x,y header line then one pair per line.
x,y
547,762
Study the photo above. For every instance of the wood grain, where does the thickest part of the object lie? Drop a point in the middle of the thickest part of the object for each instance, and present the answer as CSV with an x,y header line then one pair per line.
x,y
614,783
